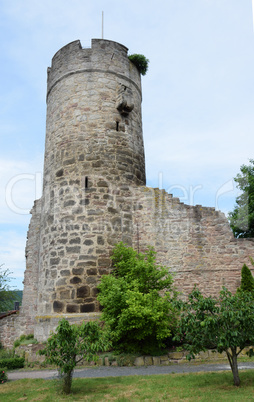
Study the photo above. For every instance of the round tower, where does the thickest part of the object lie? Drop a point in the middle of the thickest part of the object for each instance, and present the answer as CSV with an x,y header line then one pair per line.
x,y
94,156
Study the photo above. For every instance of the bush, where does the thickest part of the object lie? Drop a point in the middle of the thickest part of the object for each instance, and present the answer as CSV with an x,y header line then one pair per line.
x,y
247,280
6,353
12,363
24,340
138,316
140,61
3,375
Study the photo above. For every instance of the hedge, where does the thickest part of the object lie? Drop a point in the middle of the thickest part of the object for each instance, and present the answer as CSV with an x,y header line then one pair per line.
x,y
12,363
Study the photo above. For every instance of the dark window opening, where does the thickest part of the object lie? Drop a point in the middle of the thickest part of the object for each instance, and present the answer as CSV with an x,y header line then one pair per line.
x,y
86,182
117,125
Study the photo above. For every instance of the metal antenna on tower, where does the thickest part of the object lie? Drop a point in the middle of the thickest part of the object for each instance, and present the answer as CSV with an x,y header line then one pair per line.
x,y
102,25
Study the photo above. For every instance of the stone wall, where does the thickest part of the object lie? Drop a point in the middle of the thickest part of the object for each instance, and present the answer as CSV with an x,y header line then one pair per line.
x,y
9,328
195,242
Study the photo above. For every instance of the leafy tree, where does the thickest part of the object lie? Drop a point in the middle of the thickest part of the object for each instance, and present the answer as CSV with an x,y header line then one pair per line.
x,y
71,344
6,295
242,217
225,324
247,280
140,318
140,61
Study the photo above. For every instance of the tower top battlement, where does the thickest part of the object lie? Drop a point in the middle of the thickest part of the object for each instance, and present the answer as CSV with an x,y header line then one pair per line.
x,y
103,56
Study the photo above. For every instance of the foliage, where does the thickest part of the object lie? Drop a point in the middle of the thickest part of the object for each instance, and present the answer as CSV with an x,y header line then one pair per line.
x,y
247,280
3,375
242,217
6,353
140,61
24,340
6,295
138,315
71,344
225,324
12,363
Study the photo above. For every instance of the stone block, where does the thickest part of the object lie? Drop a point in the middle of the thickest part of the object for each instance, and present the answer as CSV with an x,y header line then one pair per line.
x,y
83,291
148,360
58,306
156,360
75,280
64,294
87,308
164,360
176,355
72,308
139,361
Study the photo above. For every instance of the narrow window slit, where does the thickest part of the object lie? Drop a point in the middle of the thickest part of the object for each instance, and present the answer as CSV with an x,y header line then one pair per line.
x,y
86,182
117,125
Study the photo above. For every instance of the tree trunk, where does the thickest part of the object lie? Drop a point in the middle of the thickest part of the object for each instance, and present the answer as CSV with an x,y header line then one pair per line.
x,y
232,358
67,380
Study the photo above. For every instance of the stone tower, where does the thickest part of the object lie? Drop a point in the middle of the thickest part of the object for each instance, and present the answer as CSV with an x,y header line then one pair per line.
x,y
94,154
94,195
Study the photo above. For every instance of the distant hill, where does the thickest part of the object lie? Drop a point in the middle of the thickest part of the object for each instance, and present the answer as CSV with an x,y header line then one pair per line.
x,y
16,297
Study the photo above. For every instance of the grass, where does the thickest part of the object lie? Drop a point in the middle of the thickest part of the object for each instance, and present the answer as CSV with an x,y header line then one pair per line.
x,y
173,387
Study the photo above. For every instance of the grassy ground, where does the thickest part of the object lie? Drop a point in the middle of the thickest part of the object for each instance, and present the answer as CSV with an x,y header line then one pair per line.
x,y
173,387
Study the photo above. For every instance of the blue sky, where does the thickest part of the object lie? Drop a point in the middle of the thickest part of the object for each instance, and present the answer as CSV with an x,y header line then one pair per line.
x,y
198,96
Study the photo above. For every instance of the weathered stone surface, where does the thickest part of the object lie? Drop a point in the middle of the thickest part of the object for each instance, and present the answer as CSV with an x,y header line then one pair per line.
x,y
83,291
92,271
72,308
148,360
75,279
176,355
139,361
58,306
77,271
65,272
87,308
156,360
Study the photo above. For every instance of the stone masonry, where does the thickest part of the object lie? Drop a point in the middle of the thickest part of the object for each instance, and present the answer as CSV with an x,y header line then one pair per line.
x,y
94,195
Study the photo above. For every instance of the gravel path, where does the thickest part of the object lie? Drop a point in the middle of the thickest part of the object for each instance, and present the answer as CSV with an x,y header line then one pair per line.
x,y
103,371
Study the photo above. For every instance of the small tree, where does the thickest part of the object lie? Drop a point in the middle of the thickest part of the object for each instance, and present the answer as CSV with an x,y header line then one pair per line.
x,y
140,318
247,280
225,324
71,344
6,295
242,217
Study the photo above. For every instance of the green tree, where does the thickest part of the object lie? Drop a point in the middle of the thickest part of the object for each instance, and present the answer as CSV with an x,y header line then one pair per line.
x,y
242,217
225,324
247,280
71,344
138,311
6,295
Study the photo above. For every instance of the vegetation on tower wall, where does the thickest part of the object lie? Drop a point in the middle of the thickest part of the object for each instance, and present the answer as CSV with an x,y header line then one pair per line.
x,y
140,61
